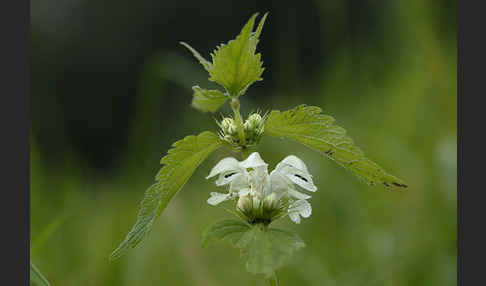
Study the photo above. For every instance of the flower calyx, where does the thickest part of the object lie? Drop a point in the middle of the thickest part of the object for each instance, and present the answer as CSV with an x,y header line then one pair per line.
x,y
253,129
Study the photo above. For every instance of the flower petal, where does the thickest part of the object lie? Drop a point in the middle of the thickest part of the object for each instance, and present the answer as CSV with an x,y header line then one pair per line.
x,y
258,178
253,161
295,170
298,195
239,181
299,208
295,162
243,192
297,176
217,198
225,165
301,179
304,207
278,183
295,217
227,177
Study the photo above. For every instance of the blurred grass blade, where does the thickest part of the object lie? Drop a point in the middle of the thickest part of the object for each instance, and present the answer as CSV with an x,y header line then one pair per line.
x,y
179,164
46,233
308,126
36,277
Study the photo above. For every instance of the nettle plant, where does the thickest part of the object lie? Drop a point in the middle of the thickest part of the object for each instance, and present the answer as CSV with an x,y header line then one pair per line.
x,y
257,198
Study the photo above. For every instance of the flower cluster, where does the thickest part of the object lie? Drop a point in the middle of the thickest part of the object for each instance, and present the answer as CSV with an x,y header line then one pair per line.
x,y
263,197
253,130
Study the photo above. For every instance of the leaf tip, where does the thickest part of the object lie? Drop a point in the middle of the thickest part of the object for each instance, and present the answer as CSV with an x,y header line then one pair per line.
x,y
114,255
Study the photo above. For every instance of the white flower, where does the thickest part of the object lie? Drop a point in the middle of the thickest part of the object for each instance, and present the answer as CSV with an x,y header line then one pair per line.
x,y
244,204
300,208
271,201
217,198
289,172
260,194
240,175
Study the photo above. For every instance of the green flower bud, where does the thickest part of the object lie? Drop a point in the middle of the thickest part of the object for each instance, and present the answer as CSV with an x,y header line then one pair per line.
x,y
228,126
253,127
254,123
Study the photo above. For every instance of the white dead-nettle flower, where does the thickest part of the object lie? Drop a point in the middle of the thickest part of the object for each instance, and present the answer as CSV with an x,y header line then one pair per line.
x,y
240,175
250,183
290,173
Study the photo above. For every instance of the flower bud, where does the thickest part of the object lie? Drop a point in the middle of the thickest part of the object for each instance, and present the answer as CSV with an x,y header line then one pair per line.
x,y
256,202
253,123
271,202
244,204
228,126
253,127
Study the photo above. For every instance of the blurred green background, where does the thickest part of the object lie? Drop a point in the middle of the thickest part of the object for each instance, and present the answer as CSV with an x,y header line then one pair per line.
x,y
111,90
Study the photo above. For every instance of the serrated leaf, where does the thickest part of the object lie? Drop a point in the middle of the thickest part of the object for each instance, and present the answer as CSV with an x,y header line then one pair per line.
x,y
36,277
147,214
179,164
205,63
308,126
235,65
227,230
267,249
207,100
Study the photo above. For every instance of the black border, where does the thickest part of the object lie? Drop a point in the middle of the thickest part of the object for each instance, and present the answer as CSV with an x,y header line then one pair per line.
x,y
471,143
15,126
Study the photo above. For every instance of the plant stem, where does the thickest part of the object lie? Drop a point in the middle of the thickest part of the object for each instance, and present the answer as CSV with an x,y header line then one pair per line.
x,y
235,105
272,280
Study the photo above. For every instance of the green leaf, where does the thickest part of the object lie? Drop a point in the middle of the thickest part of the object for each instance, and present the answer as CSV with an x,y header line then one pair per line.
x,y
308,126
179,164
206,64
147,214
36,277
267,249
207,100
235,65
227,230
